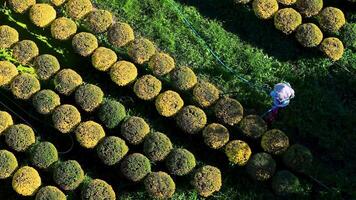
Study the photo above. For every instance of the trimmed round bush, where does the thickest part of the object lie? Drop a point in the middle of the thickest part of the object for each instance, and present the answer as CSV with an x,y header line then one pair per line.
x,y
50,193
135,167
66,81
298,158
238,152
141,50
8,72
207,180
120,34
42,14
8,164
157,146
89,134
24,86
134,130
98,190
63,28
284,183
191,119
309,8
287,20
331,19
229,111
274,141
57,2
180,162
261,166
24,51
68,175
65,118
161,64
8,36
123,73
287,2
205,94
26,181
111,150
85,43
215,135
309,35
184,78
147,87
111,113
265,9
98,21
5,121
253,126
77,9
103,58
45,101
333,48
21,6
19,137
159,185
169,103
44,155
348,35
89,97
46,66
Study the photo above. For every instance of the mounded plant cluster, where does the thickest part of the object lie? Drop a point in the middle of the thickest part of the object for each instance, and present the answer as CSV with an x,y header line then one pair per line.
x,y
111,150
99,21
98,189
191,119
65,118
205,94
135,129
8,72
89,97
5,121
66,81
238,152
103,58
19,137
24,51
44,155
45,101
180,162
63,28
68,174
157,146
8,164
46,66
261,166
50,193
24,86
159,185
8,36
147,87
274,141
123,73
183,78
26,181
207,180
111,113
135,167
216,135
89,134
42,14
169,103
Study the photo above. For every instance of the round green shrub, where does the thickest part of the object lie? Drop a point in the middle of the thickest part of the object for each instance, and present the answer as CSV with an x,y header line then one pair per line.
x,y
19,137
287,2
65,118
309,35
183,78
8,72
85,43
66,81
24,86
159,185
8,164
287,20
44,155
50,193
261,166
26,181
58,2
21,6
42,14
253,126
68,175
215,135
123,73
5,121
333,48
331,19
309,8
103,58
161,64
298,158
8,36
274,141
98,190
265,9
45,101
169,103
180,162
284,183
77,9
89,97
157,146
238,152
24,51
348,34
134,130
89,134
111,150
98,21
229,111
141,50
46,66
63,28
207,180
120,34
205,94
111,113
191,119
135,167
147,87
